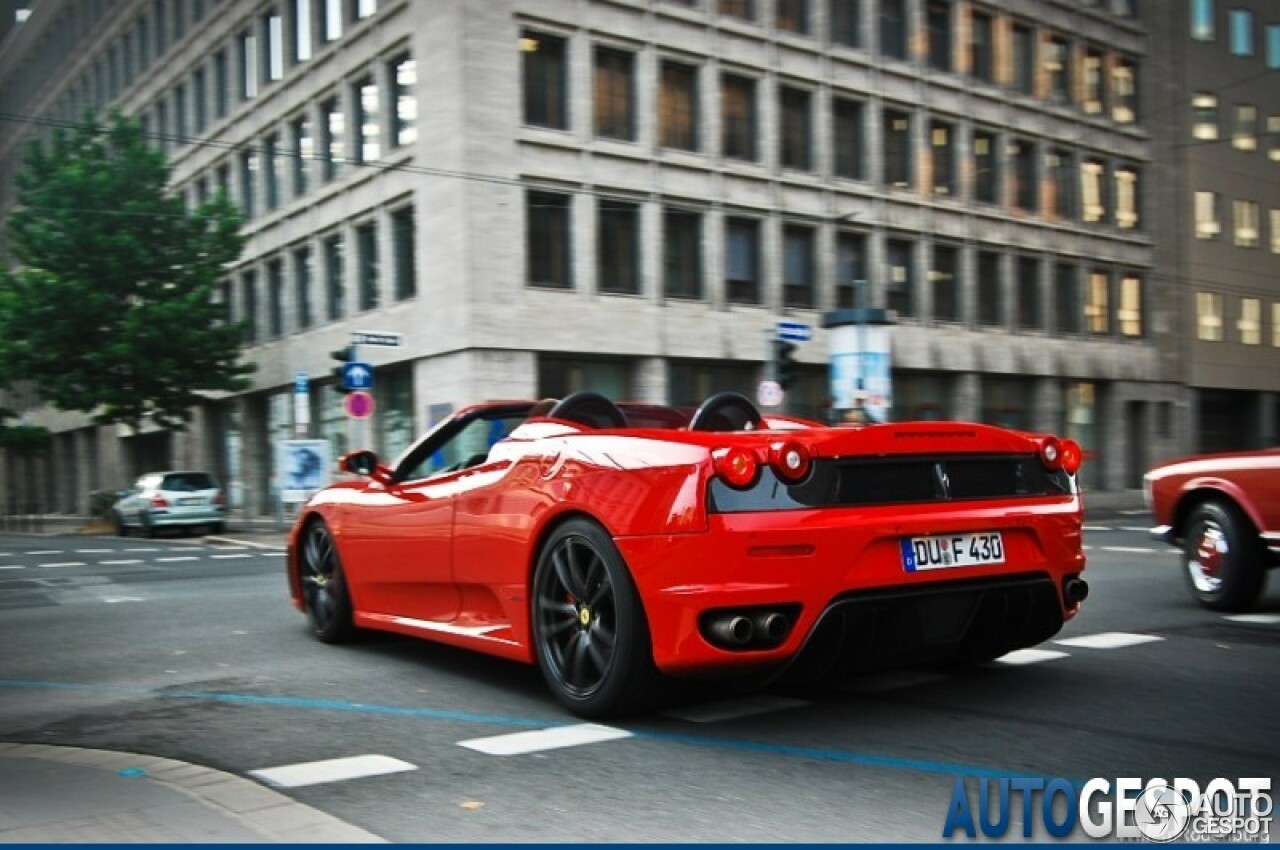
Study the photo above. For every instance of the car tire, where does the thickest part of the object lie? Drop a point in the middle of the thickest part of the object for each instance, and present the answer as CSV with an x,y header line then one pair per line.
x,y
1222,557
589,629
216,528
324,586
148,529
117,523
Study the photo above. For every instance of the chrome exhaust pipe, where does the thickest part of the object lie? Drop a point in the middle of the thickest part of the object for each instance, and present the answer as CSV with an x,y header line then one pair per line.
x,y
1075,591
771,626
734,630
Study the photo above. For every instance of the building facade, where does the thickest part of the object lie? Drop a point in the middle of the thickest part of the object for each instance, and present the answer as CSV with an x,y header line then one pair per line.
x,y
545,195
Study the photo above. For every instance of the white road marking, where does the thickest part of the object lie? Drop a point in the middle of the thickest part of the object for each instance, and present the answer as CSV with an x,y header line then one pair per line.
x,y
225,557
120,563
173,560
145,549
1133,550
518,743
272,554
92,551
111,600
12,566
1142,529
45,552
1096,527
331,770
732,709
1255,619
232,548
1020,657
63,564
1108,640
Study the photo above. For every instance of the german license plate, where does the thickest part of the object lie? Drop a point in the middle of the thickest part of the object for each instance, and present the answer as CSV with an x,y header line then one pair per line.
x,y
192,501
944,551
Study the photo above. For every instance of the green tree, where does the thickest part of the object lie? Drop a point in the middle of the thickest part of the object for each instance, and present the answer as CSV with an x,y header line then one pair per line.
x,y
111,311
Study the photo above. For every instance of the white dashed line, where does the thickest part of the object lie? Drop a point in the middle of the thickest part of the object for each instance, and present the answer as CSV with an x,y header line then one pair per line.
x,y
64,564
1138,528
45,552
732,709
1020,657
272,554
1255,619
331,770
519,743
93,551
225,557
119,563
148,549
1132,550
1109,640
12,566
174,560
1096,527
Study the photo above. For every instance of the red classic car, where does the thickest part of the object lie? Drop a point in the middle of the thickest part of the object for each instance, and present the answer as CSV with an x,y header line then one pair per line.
x,y
1223,510
613,544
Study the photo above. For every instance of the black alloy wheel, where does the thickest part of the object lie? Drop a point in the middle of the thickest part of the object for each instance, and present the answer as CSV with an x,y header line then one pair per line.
x,y
589,627
324,589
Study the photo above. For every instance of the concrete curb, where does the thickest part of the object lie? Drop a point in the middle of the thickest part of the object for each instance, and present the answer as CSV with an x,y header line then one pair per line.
x,y
267,813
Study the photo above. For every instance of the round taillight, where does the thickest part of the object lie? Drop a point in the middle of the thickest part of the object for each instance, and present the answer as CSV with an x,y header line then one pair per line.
x,y
1051,453
736,467
790,461
1070,456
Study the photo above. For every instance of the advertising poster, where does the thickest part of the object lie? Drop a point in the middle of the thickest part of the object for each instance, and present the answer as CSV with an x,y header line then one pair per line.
x,y
302,468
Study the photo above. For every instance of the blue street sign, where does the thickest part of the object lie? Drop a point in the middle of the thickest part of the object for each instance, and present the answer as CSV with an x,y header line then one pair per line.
x,y
357,376
300,383
793,331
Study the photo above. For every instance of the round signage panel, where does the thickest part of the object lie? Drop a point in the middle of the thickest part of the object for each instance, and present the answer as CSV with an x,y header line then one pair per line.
x,y
358,404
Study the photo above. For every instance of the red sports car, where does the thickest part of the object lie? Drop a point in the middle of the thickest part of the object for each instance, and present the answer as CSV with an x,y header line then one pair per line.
x,y
613,544
1223,511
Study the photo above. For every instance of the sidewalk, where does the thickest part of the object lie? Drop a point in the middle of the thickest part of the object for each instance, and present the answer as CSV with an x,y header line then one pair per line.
x,y
69,795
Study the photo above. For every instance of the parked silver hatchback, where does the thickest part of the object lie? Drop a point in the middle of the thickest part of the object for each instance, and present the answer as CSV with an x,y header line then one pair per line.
x,y
173,499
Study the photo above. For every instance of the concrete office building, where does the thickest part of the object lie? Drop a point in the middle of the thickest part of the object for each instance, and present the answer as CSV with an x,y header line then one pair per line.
x,y
543,195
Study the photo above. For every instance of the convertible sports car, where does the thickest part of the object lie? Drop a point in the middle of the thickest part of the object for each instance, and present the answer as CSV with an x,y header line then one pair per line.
x,y
614,544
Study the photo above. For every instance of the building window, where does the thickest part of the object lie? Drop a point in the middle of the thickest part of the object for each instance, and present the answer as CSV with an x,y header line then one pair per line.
x,y
797,267
1245,135
738,117
404,253
221,84
981,46
248,64
367,123
301,30
332,20
545,91
944,284
845,22
1057,69
614,94
1209,322
334,278
851,270
1029,301
1022,158
361,9
248,182
678,107
618,247
1124,91
1127,198
1275,325
897,149
333,144
1066,298
1208,217
367,265
1273,138
1091,83
1024,58
742,9
274,26
547,239
990,289
271,169
303,153
1275,231
938,20
1273,46
792,16
742,260
942,158
180,114
302,277
404,81
796,132
1204,116
900,288
1246,223
1202,28
1129,315
1092,191
893,28
200,99
682,253
986,167
1241,22
249,301
1097,314
1059,178
275,297
847,119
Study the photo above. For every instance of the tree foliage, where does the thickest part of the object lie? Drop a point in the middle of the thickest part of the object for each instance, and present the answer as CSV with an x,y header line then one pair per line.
x,y
111,311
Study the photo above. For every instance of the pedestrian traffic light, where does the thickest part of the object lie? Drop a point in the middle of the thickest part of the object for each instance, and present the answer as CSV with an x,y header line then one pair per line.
x,y
343,356
785,369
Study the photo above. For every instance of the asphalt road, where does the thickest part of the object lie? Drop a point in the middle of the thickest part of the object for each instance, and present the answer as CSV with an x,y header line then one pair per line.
x,y
186,650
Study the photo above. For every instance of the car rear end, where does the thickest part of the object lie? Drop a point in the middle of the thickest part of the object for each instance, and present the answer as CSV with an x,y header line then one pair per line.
x,y
185,500
843,550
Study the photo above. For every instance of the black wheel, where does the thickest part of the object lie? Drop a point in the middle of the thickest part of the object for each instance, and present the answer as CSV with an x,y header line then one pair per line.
x,y
589,628
216,528
324,589
148,530
117,522
1222,558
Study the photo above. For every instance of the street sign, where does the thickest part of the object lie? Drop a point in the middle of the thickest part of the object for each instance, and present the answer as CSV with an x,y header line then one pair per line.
x,y
769,394
383,339
357,376
358,404
300,383
301,402
792,331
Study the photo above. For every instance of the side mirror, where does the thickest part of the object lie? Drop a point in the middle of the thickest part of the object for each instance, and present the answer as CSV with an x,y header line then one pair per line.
x,y
363,462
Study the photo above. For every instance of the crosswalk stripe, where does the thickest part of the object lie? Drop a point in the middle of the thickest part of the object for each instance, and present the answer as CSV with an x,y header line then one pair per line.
x,y
1108,640
225,557
1255,619
732,709
331,770
120,562
63,564
558,737
1020,657
180,558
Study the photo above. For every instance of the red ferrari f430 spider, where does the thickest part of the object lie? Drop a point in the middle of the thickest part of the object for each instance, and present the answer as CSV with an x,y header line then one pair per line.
x,y
614,544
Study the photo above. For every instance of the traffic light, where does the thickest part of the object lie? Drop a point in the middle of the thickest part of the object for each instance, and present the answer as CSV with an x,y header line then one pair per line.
x,y
785,369
344,356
